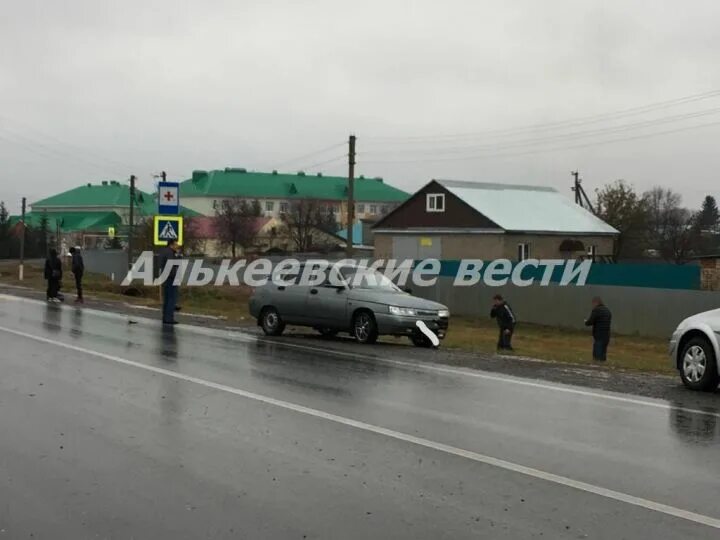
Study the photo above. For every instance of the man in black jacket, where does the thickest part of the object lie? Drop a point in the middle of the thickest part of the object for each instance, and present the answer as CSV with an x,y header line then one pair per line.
x,y
169,255
78,269
600,319
53,275
505,317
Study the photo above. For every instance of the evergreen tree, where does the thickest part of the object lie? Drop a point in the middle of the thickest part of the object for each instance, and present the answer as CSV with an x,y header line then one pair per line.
x,y
708,218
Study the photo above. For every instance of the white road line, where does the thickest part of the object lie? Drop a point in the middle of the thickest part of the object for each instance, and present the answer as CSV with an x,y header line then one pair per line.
x,y
479,374
419,441
417,366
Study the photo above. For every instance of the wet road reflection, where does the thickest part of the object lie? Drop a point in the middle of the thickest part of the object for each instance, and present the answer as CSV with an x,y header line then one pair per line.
x,y
666,452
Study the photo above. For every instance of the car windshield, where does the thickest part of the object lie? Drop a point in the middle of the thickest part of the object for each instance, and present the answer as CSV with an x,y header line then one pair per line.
x,y
365,278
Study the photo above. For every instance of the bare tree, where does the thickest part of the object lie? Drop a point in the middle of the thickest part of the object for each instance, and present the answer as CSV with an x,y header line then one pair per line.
x,y
304,219
236,223
670,228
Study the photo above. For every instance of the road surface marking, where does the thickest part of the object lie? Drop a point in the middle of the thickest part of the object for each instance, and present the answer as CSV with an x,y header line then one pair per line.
x,y
245,337
419,441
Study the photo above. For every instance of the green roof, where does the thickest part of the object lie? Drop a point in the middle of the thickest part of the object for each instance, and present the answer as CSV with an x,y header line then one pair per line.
x,y
108,194
72,221
232,182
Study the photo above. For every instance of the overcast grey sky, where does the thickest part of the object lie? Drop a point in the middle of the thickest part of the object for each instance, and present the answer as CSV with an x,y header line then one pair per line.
x,y
94,89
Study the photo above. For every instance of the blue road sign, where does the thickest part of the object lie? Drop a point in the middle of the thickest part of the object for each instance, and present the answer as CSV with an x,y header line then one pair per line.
x,y
168,228
168,198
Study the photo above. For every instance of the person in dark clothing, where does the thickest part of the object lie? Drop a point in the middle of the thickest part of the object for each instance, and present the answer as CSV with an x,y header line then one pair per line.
x,y
600,319
53,275
167,255
505,318
78,269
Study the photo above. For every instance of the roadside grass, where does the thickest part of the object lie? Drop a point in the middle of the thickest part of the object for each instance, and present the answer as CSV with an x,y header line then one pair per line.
x,y
560,345
469,334
227,302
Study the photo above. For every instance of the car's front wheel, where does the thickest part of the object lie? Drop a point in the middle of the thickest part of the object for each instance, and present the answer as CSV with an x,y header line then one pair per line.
x,y
271,322
364,327
698,368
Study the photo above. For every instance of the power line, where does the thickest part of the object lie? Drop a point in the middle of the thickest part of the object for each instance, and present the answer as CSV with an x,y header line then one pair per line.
x,y
561,136
48,151
555,125
309,155
326,162
45,152
75,147
552,149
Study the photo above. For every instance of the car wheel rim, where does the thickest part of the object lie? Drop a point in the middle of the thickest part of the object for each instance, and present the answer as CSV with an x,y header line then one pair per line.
x,y
362,327
694,363
271,320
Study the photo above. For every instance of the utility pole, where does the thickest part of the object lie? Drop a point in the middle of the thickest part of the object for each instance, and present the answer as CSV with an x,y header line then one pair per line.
x,y
576,186
351,196
581,197
131,218
163,176
21,268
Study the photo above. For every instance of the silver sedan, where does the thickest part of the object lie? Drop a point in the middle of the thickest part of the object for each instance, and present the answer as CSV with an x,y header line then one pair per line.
x,y
359,301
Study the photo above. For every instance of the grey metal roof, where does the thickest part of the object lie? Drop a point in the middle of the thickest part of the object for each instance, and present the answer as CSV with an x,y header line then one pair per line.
x,y
528,208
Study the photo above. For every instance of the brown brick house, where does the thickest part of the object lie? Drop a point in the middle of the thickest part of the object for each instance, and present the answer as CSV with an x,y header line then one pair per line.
x,y
449,219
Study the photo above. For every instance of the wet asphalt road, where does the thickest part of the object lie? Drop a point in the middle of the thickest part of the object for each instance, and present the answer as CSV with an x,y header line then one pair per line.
x,y
117,430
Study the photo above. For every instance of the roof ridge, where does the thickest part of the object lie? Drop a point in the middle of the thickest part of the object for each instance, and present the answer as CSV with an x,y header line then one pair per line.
x,y
468,184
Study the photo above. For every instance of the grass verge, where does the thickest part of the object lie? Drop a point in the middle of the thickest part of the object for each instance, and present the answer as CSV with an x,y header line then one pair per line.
x,y
465,334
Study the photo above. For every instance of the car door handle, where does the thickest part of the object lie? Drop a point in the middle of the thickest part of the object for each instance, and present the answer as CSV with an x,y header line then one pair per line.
x,y
313,291
281,287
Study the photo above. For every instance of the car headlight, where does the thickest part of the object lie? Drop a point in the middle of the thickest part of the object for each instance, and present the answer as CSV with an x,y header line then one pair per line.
x,y
409,312
445,313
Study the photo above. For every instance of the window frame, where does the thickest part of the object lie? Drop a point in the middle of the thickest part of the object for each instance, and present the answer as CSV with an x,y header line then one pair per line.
x,y
431,202
523,251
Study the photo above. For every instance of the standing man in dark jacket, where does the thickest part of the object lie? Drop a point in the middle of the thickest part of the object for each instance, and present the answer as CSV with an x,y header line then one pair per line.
x,y
78,269
168,255
505,317
600,319
53,275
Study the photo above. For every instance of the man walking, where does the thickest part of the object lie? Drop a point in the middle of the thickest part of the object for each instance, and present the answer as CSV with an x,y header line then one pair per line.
x,y
78,269
168,255
505,317
600,319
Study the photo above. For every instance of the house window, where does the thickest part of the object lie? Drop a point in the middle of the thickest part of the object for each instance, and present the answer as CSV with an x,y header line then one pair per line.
x,y
360,208
592,252
523,251
284,207
373,209
435,202
269,206
215,204
384,209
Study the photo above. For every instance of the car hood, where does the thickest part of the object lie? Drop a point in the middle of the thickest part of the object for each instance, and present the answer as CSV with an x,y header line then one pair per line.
x,y
399,299
710,318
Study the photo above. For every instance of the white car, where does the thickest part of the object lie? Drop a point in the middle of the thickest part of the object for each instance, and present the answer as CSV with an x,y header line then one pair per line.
x,y
695,350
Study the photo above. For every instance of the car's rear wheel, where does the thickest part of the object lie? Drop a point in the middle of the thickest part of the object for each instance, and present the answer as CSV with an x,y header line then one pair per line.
x,y
271,322
698,368
326,331
364,327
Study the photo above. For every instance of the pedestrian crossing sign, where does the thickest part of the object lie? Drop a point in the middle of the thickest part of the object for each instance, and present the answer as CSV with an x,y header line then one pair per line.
x,y
168,228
